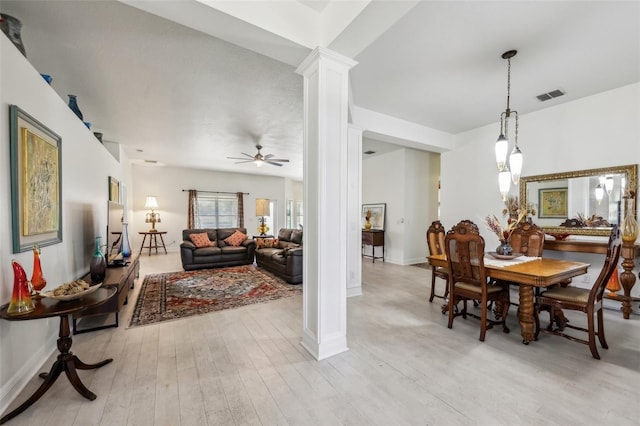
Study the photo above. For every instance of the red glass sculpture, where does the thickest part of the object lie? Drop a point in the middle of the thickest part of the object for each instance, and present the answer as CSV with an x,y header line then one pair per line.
x,y
37,280
21,302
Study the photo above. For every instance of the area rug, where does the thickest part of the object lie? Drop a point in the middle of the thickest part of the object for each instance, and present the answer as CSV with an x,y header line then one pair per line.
x,y
177,295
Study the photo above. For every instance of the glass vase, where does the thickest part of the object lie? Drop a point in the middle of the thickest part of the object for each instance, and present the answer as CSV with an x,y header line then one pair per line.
x,y
37,279
125,247
73,104
98,264
504,249
21,302
629,224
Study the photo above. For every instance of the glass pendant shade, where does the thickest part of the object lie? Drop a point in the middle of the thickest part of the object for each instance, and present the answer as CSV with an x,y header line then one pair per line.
x,y
504,181
608,185
599,193
502,144
515,161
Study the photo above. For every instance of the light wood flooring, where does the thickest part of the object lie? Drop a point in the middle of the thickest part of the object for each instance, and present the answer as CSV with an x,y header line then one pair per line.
x,y
404,367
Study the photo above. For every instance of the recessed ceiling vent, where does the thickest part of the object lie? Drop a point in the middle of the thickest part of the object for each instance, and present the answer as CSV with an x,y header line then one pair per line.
x,y
550,95
151,161
369,152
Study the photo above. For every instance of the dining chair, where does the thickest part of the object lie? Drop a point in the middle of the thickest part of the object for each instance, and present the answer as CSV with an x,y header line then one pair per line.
x,y
435,243
464,247
588,301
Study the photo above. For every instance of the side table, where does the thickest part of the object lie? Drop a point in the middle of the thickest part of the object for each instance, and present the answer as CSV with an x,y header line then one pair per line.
x,y
153,241
373,238
67,361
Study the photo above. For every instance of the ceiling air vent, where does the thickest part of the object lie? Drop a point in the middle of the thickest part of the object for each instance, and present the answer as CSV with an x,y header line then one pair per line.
x,y
550,95
369,152
151,161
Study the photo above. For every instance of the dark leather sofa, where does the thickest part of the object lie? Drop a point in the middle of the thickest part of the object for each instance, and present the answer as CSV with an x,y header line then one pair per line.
x,y
219,256
285,260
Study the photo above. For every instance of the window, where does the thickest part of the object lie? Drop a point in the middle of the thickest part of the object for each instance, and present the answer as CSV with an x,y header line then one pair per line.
x,y
216,211
271,219
299,214
289,215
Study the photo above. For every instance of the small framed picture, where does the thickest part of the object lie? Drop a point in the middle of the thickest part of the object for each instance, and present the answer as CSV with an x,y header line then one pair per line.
x,y
36,187
373,216
553,203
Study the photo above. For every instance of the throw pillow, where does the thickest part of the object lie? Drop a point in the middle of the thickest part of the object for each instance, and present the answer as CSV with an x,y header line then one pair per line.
x,y
235,239
271,242
201,240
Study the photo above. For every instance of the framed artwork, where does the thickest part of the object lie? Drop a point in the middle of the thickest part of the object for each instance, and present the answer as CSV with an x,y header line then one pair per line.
x,y
376,215
114,190
36,186
553,203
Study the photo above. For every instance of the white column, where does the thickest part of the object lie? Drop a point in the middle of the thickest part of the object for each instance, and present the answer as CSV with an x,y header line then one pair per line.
x,y
354,212
326,84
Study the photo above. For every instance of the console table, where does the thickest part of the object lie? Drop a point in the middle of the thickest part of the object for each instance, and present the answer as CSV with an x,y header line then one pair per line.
x,y
67,362
373,238
120,277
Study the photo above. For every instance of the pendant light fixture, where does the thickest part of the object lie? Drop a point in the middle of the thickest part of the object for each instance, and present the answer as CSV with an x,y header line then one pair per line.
x,y
502,144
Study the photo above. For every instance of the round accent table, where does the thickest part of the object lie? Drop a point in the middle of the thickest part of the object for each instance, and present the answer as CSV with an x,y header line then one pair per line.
x,y
67,361
153,241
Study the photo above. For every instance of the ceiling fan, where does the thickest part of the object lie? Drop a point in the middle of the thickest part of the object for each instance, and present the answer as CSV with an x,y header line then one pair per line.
x,y
259,159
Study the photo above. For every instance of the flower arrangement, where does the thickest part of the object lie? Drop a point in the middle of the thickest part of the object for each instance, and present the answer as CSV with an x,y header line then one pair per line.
x,y
504,232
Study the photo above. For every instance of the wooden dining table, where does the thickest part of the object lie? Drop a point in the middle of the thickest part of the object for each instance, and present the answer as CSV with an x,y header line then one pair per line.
x,y
541,272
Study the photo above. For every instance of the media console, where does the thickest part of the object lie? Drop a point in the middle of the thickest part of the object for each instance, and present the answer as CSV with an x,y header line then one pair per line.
x,y
120,277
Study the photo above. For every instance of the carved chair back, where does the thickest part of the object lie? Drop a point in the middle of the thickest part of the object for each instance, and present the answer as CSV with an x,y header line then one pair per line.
x,y
527,239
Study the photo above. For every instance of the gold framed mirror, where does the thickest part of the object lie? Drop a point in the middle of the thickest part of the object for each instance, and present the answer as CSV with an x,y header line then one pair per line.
x,y
566,203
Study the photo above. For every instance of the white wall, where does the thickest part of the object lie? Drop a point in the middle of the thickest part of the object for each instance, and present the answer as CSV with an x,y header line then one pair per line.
x,y
86,165
406,180
598,131
167,183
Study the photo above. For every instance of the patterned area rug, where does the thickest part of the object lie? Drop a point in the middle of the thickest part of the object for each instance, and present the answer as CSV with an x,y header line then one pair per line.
x,y
181,294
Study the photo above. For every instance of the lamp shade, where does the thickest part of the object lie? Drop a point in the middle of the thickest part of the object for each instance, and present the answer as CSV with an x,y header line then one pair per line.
x,y
262,207
515,160
502,144
504,181
151,202
608,185
599,193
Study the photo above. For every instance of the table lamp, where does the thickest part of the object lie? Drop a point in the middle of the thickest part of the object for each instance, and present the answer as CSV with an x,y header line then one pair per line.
x,y
152,217
262,210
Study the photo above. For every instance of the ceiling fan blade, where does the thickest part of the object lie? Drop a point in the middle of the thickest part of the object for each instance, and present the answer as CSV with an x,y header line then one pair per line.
x,y
266,157
282,160
243,161
244,153
239,158
273,163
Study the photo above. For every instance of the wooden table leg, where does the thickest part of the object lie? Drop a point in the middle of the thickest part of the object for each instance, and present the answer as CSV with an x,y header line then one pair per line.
x,y
143,240
163,246
627,278
525,313
66,362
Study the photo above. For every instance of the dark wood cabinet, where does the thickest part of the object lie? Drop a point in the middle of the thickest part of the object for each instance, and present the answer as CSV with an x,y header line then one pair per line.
x,y
373,238
121,277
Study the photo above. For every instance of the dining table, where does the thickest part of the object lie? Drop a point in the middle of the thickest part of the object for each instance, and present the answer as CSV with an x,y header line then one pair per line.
x,y
528,273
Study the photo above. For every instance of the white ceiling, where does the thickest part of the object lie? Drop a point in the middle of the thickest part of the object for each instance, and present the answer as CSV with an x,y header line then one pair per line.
x,y
183,96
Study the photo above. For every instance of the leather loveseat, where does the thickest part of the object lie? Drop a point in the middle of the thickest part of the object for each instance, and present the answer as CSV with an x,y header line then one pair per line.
x,y
285,259
220,253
